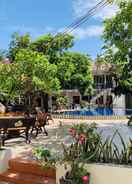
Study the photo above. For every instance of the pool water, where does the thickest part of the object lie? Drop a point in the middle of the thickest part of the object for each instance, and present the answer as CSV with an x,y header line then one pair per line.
x,y
99,112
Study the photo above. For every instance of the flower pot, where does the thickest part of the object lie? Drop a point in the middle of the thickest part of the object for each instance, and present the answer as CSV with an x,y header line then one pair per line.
x,y
68,180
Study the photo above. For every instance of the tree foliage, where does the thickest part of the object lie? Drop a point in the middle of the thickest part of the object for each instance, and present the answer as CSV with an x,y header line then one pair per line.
x,y
37,71
44,65
49,44
30,71
9,79
118,45
74,72
2,55
18,42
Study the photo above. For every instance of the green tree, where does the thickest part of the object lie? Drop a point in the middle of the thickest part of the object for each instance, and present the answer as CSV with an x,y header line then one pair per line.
x,y
38,71
118,45
75,72
49,45
18,42
62,101
10,79
52,46
65,71
73,69
30,72
45,65
2,55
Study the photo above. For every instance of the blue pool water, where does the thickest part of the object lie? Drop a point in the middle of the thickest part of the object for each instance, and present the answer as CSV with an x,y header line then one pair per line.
x,y
99,112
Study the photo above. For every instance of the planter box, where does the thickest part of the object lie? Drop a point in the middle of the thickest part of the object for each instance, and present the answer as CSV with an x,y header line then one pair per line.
x,y
102,174
23,165
5,156
27,172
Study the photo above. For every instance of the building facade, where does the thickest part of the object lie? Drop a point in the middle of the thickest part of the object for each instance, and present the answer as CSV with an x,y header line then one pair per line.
x,y
104,84
103,96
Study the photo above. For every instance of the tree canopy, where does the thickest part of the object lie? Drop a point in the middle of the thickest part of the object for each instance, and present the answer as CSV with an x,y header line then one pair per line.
x,y
53,46
18,42
29,72
118,45
37,72
74,72
44,64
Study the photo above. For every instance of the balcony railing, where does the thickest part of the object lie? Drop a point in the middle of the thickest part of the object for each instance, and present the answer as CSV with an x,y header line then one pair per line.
x,y
103,86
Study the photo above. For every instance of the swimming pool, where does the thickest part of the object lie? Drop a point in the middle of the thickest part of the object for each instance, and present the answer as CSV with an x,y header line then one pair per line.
x,y
98,112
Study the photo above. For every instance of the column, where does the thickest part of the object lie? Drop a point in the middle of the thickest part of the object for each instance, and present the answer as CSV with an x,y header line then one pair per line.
x,y
50,102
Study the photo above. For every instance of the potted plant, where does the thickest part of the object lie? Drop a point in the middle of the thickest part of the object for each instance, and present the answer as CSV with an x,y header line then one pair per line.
x,y
77,175
84,137
62,102
46,159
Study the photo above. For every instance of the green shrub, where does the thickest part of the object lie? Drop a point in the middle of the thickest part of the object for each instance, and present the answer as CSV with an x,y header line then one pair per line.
x,y
45,157
88,146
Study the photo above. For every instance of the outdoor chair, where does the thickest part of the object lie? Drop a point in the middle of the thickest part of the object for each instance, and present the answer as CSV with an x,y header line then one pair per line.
x,y
42,119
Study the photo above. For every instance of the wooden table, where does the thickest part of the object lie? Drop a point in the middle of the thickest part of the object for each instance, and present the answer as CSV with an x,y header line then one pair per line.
x,y
15,126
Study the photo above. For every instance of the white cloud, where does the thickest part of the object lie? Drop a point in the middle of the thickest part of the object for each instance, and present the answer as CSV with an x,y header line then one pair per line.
x,y
83,33
80,7
79,33
90,31
33,31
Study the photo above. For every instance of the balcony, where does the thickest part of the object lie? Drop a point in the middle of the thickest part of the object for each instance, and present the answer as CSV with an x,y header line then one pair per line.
x,y
103,86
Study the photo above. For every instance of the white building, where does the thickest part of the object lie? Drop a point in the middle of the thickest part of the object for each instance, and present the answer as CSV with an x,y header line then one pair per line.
x,y
103,96
104,84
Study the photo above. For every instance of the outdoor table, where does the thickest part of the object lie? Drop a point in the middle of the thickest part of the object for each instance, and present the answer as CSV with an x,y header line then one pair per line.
x,y
11,127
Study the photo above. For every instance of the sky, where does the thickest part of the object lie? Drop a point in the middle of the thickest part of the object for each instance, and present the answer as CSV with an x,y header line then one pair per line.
x,y
39,17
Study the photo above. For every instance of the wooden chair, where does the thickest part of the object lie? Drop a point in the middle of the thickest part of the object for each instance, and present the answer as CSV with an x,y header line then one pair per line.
x,y
42,119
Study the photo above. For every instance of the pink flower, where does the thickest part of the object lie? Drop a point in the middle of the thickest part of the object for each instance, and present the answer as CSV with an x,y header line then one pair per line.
x,y
46,181
85,179
72,132
82,139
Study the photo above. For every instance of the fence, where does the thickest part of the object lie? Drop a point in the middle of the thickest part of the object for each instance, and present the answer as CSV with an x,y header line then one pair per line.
x,y
62,116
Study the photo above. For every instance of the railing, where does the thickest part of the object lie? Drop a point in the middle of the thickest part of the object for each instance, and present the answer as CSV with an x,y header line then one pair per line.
x,y
110,114
103,86
113,117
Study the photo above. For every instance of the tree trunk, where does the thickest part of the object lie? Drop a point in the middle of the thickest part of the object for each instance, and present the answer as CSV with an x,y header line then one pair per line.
x,y
28,102
45,101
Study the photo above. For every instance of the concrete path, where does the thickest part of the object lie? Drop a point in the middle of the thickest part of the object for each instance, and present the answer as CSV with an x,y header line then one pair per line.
x,y
58,133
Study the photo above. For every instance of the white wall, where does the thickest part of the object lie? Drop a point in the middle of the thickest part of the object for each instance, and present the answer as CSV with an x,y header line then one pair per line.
x,y
5,156
104,174
119,101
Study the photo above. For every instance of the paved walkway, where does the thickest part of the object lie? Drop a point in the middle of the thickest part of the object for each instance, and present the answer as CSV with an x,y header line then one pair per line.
x,y
58,133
